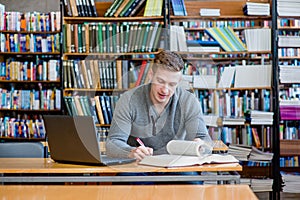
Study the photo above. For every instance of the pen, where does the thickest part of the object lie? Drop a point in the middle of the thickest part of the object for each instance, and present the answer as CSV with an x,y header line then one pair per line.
x,y
140,141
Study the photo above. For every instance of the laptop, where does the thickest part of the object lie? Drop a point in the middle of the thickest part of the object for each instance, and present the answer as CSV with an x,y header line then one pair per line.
x,y
73,139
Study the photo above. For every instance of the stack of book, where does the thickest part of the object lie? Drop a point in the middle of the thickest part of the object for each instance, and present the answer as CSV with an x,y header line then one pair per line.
x,y
209,12
241,152
291,182
288,7
233,121
261,185
289,41
226,38
289,74
289,109
125,8
261,117
249,153
258,184
258,155
251,8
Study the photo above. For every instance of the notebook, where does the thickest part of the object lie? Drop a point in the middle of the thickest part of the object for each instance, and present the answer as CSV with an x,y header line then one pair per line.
x,y
73,139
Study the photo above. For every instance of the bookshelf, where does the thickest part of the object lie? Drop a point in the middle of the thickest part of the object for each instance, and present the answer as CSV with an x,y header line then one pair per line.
x,y
108,60
288,55
210,73
30,72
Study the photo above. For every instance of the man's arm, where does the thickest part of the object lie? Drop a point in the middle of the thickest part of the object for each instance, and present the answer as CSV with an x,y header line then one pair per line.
x,y
116,144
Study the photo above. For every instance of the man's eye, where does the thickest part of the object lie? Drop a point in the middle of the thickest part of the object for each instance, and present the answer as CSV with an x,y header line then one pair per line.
x,y
173,84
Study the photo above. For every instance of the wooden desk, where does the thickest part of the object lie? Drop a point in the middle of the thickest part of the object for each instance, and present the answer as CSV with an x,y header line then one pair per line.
x,y
127,192
46,170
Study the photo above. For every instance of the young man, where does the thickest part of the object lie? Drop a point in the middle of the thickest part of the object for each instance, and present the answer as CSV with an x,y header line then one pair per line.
x,y
156,113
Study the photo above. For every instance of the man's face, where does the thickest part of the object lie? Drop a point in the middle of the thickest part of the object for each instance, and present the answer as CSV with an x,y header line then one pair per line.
x,y
163,86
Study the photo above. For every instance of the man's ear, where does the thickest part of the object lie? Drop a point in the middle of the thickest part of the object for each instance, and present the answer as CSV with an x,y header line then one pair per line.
x,y
150,75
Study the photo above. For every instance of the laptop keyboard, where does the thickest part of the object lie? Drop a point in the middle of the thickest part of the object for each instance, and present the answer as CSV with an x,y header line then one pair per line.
x,y
110,161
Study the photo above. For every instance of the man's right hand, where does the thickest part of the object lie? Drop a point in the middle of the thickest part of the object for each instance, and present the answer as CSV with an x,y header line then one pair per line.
x,y
140,152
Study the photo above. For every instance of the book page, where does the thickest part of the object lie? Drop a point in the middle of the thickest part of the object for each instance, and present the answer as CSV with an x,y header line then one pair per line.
x,y
183,147
166,160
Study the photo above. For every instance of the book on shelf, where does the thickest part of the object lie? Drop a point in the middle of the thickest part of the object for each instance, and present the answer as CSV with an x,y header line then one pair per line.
x,y
289,109
259,117
108,108
177,38
200,49
73,8
137,8
93,8
227,77
289,74
109,37
173,38
291,181
104,109
178,8
288,7
253,8
141,73
153,8
251,76
202,46
258,184
99,110
67,7
227,38
121,7
211,120
233,121
258,39
126,8
256,138
249,153
79,105
81,8
241,152
131,8
289,41
258,155
204,81
209,12
187,153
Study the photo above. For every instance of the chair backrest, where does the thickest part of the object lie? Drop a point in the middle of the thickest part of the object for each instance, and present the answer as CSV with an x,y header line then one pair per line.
x,y
22,150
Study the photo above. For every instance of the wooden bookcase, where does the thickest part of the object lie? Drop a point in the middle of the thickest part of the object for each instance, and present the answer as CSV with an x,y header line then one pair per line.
x,y
30,74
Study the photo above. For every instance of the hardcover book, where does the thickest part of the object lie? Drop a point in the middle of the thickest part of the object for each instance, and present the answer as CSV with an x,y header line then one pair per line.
x,y
187,153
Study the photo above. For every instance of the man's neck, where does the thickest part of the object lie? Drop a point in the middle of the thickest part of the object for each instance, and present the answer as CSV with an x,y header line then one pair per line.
x,y
159,108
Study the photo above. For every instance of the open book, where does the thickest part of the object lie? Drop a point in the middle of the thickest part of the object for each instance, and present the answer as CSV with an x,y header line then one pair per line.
x,y
186,153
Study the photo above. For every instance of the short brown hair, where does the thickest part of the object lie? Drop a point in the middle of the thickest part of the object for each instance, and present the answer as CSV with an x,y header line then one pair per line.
x,y
168,60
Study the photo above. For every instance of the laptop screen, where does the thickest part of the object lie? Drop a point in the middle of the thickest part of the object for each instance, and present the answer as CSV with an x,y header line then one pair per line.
x,y
72,139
